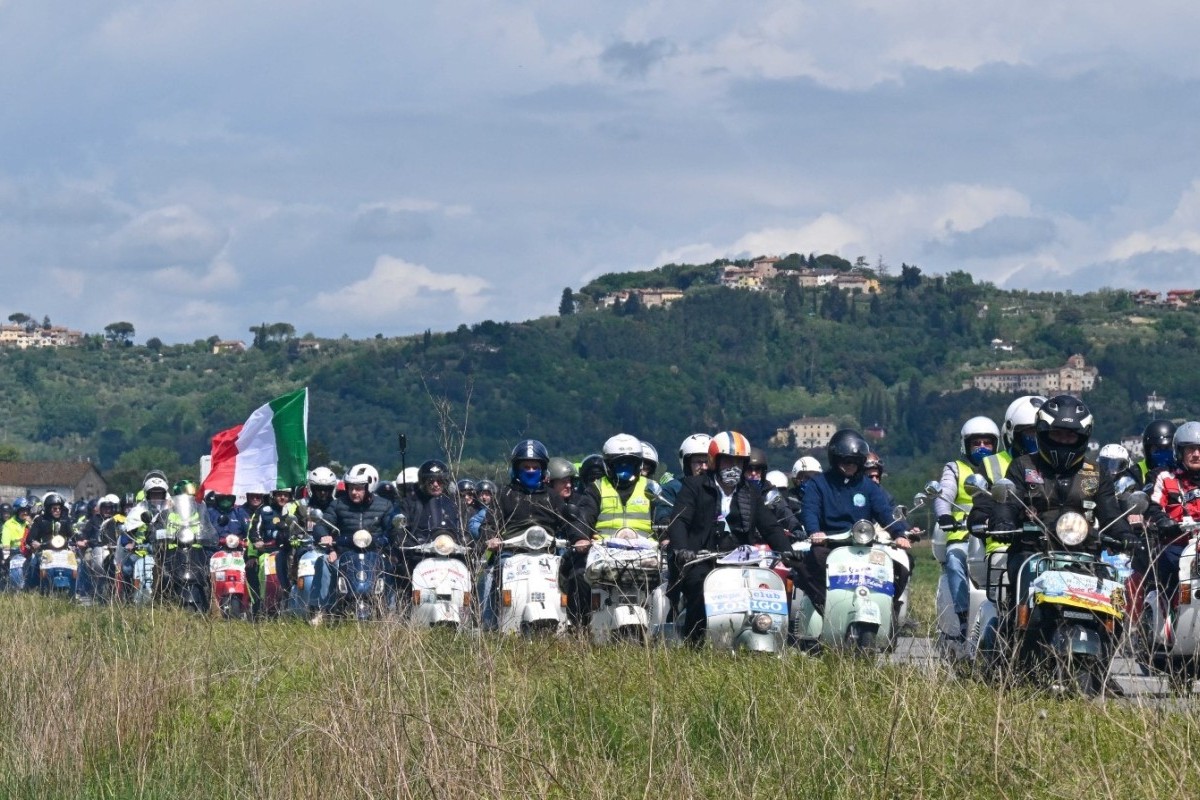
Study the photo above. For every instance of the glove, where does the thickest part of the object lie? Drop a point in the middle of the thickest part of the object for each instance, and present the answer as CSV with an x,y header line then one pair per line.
x,y
946,522
570,512
684,556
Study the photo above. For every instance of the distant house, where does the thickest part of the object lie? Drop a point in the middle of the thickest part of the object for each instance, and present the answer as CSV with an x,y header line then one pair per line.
x,y
1155,404
1180,298
26,336
813,278
307,346
856,283
805,433
1074,377
649,298
1145,297
228,347
74,480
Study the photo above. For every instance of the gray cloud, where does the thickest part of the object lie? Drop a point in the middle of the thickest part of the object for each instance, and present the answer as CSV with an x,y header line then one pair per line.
x,y
1002,236
1157,269
381,224
636,59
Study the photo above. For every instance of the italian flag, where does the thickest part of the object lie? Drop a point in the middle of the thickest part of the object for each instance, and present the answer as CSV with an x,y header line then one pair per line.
x,y
267,451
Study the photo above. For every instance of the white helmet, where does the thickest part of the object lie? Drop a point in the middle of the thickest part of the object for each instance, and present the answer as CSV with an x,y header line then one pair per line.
x,y
977,426
805,464
694,445
620,445
361,474
1021,412
776,479
1113,459
154,482
322,476
649,454
410,476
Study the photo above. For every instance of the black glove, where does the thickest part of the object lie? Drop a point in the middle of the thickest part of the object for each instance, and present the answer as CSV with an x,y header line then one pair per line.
x,y
684,556
946,522
570,512
1168,530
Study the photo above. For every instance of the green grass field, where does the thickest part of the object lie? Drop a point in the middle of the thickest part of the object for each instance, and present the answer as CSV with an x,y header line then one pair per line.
x,y
134,703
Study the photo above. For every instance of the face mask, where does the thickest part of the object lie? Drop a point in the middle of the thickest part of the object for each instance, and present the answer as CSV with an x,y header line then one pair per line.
x,y
1161,459
530,478
1028,442
730,476
978,454
625,473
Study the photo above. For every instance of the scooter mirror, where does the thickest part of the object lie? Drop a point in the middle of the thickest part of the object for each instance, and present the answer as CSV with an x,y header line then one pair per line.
x,y
1136,501
899,512
1123,484
1002,490
976,484
653,489
399,521
932,489
315,513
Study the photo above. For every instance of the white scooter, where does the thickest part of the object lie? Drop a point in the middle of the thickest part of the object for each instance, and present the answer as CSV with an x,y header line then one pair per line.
x,y
529,598
623,571
441,583
745,600
859,594
1166,636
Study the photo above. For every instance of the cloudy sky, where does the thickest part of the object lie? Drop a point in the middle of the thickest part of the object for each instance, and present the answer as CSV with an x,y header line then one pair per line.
x,y
199,166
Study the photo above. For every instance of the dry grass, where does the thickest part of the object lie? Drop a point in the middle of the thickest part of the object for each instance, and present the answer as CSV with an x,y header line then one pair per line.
x,y
126,703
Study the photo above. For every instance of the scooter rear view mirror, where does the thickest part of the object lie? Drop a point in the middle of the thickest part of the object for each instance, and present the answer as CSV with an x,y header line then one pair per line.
x,y
932,489
1002,490
1124,484
1136,501
976,484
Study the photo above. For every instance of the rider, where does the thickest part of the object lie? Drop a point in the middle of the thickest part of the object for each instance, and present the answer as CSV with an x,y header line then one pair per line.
x,y
468,505
1113,460
100,530
358,509
693,460
618,500
428,510
54,521
270,535
1158,453
525,502
1175,496
322,485
485,492
757,468
649,460
834,501
978,441
13,532
717,510
804,470
1057,479
561,474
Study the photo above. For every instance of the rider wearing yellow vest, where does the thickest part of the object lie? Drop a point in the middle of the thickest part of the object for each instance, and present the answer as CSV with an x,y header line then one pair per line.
x,y
979,440
617,500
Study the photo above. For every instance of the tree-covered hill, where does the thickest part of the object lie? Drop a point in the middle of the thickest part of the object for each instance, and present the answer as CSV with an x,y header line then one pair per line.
x,y
717,358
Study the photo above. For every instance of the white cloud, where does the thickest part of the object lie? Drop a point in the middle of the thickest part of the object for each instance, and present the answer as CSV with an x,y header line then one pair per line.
x,y
221,276
396,286
176,234
1180,232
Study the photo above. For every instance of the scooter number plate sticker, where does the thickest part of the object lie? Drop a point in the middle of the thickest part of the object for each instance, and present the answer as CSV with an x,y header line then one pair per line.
x,y
868,612
877,557
305,568
537,597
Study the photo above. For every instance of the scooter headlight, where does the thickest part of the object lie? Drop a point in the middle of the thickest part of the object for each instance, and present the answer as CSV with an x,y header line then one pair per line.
x,y
536,537
1071,529
443,545
58,541
863,532
361,539
186,536
232,541
761,623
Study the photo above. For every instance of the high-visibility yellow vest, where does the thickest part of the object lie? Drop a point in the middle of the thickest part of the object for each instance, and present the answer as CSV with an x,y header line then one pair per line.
x,y
615,515
995,467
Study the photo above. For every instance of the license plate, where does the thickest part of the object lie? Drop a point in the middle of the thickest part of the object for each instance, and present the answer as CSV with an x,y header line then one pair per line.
x,y
868,612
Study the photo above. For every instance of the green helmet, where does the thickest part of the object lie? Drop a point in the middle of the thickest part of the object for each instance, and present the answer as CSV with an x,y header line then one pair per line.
x,y
183,486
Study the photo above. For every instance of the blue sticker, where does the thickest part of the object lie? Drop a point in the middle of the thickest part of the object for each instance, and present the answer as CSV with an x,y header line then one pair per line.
x,y
859,501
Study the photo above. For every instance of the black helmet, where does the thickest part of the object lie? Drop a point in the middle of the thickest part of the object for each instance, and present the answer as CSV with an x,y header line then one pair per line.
x,y
847,447
430,470
873,462
758,458
1159,436
530,449
486,486
466,486
1063,413
53,499
591,469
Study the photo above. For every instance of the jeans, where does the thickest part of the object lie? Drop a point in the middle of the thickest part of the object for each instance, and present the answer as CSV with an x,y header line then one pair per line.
x,y
957,581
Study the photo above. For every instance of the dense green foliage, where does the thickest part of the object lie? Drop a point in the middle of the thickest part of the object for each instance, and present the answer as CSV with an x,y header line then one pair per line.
x,y
717,358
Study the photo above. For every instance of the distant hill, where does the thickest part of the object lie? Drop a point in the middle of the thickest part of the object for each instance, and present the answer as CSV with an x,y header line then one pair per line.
x,y
716,358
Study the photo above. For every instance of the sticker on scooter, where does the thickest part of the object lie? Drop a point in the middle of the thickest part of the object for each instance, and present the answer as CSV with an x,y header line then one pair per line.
x,y
770,601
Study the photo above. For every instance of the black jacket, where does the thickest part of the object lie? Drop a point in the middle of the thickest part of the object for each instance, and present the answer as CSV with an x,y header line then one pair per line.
x,y
696,525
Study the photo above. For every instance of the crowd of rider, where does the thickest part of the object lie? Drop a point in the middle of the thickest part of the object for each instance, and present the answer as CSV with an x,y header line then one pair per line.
x,y
725,495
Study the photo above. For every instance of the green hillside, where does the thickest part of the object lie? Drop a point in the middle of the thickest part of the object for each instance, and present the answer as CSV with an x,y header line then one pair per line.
x,y
717,358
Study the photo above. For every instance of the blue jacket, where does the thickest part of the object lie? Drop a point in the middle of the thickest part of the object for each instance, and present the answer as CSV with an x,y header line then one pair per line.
x,y
833,503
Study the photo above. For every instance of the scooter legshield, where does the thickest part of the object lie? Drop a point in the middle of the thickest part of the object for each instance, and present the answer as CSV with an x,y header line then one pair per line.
x,y
859,589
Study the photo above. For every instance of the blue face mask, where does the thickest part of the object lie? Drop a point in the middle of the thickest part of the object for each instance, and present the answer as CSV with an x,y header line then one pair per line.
x,y
1161,459
530,478
625,473
979,454
1028,442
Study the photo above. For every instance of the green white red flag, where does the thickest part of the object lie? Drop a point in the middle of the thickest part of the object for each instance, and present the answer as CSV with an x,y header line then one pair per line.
x,y
267,451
